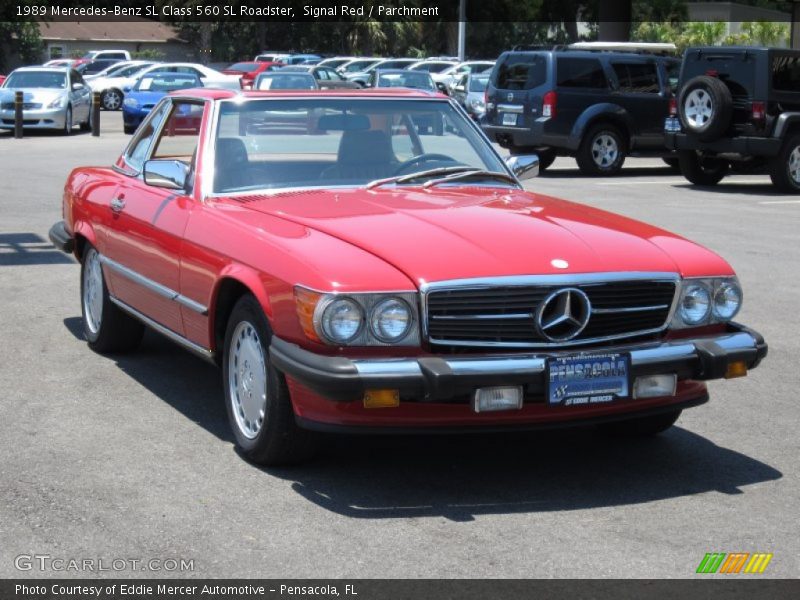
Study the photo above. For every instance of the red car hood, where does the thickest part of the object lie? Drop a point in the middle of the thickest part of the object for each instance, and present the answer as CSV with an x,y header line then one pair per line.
x,y
451,233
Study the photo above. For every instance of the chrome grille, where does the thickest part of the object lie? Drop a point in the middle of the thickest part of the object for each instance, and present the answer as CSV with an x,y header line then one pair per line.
x,y
25,106
485,314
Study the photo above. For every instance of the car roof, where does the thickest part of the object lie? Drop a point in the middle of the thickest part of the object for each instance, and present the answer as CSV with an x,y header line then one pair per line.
x,y
296,68
224,94
44,69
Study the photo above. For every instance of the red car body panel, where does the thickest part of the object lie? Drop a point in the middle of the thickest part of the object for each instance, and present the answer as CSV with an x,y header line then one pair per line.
x,y
351,240
248,77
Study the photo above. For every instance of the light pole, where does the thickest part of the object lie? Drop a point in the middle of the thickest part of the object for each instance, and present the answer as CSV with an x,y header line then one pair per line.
x,y
462,29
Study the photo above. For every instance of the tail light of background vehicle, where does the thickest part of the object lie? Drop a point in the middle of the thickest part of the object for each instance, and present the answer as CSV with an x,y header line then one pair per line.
x,y
673,106
759,111
549,104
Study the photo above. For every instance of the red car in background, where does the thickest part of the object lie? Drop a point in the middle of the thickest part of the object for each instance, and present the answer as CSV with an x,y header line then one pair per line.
x,y
248,71
2,79
350,271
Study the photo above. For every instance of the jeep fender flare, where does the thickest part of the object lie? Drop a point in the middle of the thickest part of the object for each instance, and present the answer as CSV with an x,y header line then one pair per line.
x,y
785,122
605,111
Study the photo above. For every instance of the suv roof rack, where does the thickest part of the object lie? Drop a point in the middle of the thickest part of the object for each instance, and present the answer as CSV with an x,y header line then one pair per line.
x,y
636,47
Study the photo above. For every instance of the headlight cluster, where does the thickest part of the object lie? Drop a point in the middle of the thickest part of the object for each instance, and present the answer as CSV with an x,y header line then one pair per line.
x,y
57,103
707,301
388,319
477,105
130,102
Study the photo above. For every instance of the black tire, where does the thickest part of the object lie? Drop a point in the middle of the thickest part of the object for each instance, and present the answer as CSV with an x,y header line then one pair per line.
x,y
129,129
67,121
702,170
546,159
602,150
111,100
713,94
672,162
116,331
87,124
641,426
278,440
781,166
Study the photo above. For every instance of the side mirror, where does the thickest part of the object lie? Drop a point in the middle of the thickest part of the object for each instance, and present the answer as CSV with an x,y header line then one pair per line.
x,y
77,86
524,166
170,174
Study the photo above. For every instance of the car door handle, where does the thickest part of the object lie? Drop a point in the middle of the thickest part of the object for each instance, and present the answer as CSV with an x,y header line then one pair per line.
x,y
117,204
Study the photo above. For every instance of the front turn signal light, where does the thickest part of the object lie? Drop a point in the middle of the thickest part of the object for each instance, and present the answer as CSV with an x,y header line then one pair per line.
x,y
306,303
381,398
736,369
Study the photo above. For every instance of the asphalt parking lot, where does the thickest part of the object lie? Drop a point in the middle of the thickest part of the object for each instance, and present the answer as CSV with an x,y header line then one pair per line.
x,y
131,456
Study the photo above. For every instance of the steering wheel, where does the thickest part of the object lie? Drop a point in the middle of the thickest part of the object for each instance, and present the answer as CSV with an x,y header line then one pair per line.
x,y
422,158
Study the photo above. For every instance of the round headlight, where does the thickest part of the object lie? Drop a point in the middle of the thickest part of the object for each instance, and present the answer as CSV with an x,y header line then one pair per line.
x,y
342,320
390,320
695,304
727,300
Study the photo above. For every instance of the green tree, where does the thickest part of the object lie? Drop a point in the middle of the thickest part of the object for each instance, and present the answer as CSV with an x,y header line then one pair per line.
x,y
21,38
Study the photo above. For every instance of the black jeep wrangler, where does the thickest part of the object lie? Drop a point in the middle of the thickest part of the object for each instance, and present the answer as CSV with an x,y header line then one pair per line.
x,y
738,108
596,106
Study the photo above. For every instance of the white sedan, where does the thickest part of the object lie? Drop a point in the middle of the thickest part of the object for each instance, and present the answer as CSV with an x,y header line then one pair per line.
x,y
111,87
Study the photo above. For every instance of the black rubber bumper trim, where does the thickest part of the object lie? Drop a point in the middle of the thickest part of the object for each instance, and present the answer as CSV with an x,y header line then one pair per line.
x,y
61,238
745,145
338,378
467,429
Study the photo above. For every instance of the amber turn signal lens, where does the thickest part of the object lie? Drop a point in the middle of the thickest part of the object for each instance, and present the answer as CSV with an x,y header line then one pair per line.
x,y
381,398
736,369
306,302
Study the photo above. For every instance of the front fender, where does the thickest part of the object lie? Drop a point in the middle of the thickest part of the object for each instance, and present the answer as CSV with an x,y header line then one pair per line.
x,y
606,111
83,229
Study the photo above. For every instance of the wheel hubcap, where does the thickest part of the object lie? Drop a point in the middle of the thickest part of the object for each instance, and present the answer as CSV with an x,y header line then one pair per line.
x,y
247,379
112,101
698,108
605,150
93,292
794,165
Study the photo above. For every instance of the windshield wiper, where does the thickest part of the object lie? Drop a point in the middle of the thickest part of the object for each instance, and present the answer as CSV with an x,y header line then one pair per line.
x,y
473,173
420,175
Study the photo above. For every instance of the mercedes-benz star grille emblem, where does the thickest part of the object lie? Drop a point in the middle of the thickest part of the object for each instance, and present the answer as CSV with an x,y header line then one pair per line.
x,y
563,314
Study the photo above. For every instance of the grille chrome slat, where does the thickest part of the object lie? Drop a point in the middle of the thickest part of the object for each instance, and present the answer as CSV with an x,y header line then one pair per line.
x,y
476,313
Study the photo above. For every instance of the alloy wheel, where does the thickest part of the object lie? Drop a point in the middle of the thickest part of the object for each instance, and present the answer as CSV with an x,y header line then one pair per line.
x,y
111,100
794,165
93,292
698,108
247,379
605,150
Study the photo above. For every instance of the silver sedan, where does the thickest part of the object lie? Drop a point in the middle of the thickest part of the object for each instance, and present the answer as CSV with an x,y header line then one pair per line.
x,y
53,98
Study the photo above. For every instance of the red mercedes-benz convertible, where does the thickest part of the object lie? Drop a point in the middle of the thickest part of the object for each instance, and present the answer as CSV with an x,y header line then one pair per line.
x,y
366,261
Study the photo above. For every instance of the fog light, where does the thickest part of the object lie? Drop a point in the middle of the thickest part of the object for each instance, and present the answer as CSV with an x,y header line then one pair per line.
x,y
381,398
736,369
497,398
655,386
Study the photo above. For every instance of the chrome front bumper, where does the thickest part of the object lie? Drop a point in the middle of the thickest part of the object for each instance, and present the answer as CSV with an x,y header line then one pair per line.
x,y
444,377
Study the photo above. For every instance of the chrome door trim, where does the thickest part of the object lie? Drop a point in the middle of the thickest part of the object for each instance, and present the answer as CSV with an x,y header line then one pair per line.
x,y
153,286
205,353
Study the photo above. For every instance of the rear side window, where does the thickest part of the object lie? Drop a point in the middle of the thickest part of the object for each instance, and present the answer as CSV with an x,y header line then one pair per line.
x,y
786,73
522,71
580,73
637,78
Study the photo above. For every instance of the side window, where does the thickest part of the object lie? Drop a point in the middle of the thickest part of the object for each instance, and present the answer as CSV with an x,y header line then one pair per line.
x,y
637,78
179,136
673,69
786,73
334,75
580,73
321,74
137,151
521,71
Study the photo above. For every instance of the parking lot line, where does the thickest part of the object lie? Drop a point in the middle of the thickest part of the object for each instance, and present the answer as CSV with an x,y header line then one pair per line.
x,y
670,181
780,202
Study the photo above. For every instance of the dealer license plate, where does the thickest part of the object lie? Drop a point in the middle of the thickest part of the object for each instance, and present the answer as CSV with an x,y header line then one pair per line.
x,y
588,379
510,119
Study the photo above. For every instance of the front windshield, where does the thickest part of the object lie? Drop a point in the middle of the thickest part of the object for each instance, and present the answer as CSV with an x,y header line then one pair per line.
x,y
37,79
406,79
286,81
166,82
358,65
324,142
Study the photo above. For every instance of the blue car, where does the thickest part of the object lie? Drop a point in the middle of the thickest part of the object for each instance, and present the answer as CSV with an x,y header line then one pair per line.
x,y
148,90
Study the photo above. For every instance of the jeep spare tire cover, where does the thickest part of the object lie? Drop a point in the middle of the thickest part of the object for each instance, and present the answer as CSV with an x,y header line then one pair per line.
x,y
705,107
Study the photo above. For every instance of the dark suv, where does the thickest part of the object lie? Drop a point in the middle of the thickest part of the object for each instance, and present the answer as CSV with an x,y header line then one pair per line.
x,y
738,107
596,106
